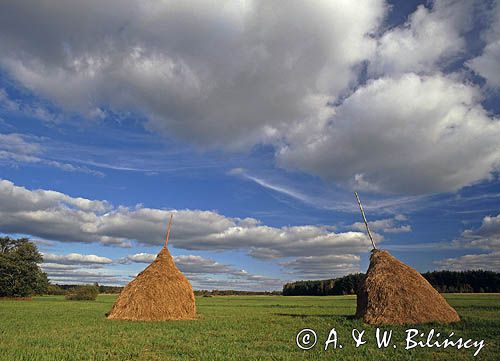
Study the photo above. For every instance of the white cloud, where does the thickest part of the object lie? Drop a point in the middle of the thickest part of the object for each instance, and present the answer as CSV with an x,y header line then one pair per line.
x,y
198,264
20,149
274,187
85,276
484,237
260,284
139,258
327,266
56,216
400,217
17,144
488,261
170,62
488,63
207,273
36,111
410,134
387,225
216,75
487,236
75,258
400,229
49,267
237,75
429,37
201,269
202,272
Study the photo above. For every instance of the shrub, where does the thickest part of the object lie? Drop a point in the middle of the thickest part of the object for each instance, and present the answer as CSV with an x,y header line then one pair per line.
x,y
83,293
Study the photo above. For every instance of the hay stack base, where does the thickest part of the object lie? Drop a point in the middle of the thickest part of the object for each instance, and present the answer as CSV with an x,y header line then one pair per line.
x,y
394,293
159,293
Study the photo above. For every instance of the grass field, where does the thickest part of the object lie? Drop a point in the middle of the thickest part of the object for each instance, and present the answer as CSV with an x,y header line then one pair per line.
x,y
229,328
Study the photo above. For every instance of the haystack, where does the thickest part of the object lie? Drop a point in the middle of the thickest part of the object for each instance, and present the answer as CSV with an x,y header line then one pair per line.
x,y
394,293
159,293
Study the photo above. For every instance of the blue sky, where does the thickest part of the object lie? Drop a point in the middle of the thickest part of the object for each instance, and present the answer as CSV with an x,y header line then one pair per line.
x,y
254,132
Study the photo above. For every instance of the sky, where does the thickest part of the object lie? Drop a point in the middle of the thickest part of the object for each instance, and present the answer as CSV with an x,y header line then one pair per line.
x,y
252,122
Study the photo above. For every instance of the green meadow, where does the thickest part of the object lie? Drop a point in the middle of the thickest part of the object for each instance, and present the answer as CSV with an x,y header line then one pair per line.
x,y
229,328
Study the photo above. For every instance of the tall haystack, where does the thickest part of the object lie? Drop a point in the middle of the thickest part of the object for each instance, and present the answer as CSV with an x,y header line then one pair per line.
x,y
159,293
394,293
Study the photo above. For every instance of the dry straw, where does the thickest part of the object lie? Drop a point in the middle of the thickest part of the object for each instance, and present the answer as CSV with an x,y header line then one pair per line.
x,y
159,293
394,293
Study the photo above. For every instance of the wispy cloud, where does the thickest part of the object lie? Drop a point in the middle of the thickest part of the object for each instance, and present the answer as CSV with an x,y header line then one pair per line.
x,y
274,187
37,111
341,200
20,149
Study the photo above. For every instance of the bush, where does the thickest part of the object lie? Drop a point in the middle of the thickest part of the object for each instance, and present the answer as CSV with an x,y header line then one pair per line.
x,y
83,293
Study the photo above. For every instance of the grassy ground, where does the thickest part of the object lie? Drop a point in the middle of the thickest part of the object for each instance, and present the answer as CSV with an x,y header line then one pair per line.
x,y
229,328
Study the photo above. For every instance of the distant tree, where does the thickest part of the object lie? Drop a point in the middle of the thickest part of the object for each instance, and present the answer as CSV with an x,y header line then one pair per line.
x,y
20,275
55,290
83,293
443,281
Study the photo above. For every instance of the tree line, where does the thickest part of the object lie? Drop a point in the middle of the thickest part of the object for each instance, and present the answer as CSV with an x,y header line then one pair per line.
x,y
207,293
478,281
62,289
346,285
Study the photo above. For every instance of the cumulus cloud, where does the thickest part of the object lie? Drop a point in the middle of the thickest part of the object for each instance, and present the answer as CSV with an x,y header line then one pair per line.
x,y
198,264
400,229
429,37
202,272
138,258
233,74
85,276
75,258
49,267
237,75
487,236
488,63
56,216
486,261
327,266
387,225
410,134
260,284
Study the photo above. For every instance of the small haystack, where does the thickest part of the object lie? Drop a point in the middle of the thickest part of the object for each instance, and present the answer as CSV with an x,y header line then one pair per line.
x,y
394,293
159,293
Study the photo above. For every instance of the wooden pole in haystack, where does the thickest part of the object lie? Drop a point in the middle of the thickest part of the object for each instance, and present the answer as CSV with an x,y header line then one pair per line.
x,y
159,293
168,230
364,219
